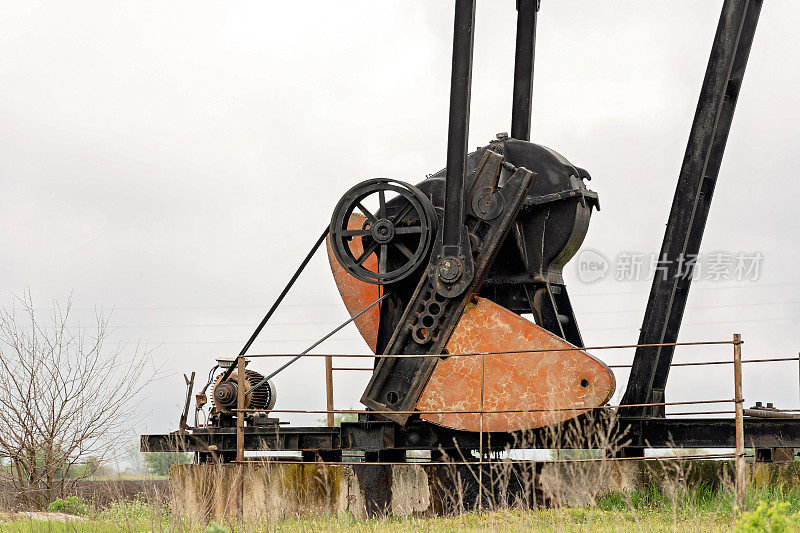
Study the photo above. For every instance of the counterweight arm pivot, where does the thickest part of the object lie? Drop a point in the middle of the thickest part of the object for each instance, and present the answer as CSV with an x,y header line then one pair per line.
x,y
430,316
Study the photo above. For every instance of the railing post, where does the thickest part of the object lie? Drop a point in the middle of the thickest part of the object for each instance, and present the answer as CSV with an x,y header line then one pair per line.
x,y
240,385
329,389
739,421
480,437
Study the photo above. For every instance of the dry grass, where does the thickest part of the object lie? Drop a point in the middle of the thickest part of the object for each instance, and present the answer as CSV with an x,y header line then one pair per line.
x,y
648,509
549,520
565,519
578,496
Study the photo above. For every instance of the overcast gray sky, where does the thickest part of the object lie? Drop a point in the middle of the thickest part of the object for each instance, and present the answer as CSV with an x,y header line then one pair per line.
x,y
173,161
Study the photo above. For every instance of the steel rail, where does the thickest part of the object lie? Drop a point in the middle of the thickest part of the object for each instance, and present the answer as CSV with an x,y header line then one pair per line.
x,y
500,462
475,412
470,354
694,363
701,363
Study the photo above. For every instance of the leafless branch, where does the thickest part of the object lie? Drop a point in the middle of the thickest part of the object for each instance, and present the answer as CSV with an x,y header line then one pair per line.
x,y
65,398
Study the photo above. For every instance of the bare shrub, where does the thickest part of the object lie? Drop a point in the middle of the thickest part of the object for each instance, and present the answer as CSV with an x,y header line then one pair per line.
x,y
64,398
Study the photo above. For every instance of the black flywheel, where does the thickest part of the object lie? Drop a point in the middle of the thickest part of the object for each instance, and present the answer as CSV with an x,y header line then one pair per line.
x,y
398,228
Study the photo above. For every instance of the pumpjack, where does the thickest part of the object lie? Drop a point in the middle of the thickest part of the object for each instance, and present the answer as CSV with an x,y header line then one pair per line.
x,y
454,261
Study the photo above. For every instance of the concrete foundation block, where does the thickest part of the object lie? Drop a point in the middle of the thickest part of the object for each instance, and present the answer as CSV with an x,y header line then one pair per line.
x,y
278,490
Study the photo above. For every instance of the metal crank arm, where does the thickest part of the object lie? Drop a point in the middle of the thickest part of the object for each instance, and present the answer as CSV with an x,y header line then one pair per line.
x,y
435,308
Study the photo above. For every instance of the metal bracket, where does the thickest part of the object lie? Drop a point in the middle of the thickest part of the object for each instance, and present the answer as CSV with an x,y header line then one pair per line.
x,y
430,316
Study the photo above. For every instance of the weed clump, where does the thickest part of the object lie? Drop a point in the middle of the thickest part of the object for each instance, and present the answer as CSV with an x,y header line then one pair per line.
x,y
69,505
775,517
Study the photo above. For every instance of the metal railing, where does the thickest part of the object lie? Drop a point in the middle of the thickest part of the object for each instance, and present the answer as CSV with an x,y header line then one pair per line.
x,y
330,411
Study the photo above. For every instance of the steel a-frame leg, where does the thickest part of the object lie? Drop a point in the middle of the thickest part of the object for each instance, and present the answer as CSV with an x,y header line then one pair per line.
x,y
687,218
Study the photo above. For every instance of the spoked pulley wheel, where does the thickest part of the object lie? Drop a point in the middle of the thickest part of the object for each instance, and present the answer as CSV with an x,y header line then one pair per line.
x,y
398,228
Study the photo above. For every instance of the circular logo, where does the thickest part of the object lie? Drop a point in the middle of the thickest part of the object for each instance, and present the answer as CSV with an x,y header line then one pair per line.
x,y
592,266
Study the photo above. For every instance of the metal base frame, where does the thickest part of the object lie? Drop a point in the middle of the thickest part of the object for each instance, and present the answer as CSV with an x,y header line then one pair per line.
x,y
384,437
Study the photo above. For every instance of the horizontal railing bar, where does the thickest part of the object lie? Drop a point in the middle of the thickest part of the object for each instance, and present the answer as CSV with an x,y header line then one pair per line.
x,y
540,350
694,363
701,363
503,411
688,413
502,461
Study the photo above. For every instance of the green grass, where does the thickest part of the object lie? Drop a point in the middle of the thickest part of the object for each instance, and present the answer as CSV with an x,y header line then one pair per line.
x,y
642,510
590,519
509,520
128,477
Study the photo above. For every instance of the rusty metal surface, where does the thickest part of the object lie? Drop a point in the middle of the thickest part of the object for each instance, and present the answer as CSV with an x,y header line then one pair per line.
x,y
357,294
512,381
515,381
435,307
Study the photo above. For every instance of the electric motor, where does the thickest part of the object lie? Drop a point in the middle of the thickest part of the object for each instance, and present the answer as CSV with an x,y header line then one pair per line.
x,y
226,393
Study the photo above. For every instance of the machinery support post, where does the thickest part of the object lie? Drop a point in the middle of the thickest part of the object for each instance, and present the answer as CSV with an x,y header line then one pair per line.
x,y
452,259
329,389
524,57
741,479
690,205
458,127
480,442
240,386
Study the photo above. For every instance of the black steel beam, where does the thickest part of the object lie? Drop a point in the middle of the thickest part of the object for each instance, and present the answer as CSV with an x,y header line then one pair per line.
x,y
687,218
265,438
711,432
524,58
377,436
458,127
